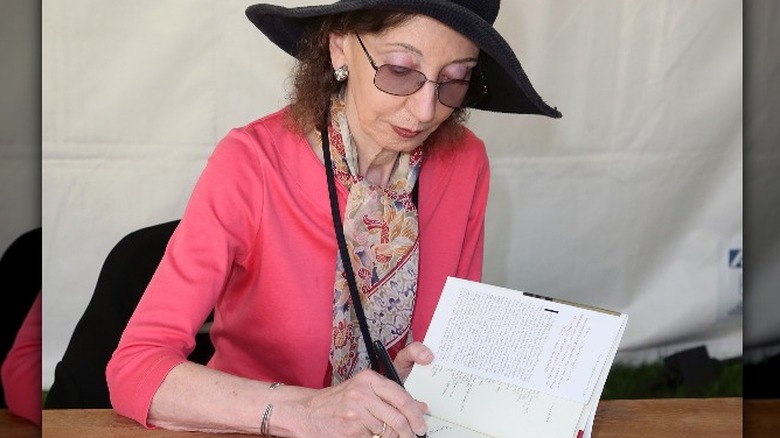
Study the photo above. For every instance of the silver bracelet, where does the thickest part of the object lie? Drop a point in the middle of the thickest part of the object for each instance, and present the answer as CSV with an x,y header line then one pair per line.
x,y
266,418
264,424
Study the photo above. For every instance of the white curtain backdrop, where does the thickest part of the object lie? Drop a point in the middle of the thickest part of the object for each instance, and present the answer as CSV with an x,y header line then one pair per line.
x,y
632,201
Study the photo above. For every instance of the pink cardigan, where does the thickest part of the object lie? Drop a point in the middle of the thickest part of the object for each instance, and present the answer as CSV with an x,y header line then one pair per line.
x,y
256,243
21,370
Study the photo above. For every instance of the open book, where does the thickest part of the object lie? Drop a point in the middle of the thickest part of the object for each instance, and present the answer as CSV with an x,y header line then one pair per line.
x,y
509,364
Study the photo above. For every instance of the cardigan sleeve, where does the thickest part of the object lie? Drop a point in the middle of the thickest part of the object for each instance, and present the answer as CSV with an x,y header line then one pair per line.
x,y
21,370
213,237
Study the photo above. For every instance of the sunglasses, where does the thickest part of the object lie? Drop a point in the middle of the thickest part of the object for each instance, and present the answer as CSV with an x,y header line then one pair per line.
x,y
404,81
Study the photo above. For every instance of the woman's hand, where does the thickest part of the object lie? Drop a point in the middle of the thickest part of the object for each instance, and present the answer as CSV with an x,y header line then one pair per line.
x,y
413,353
360,406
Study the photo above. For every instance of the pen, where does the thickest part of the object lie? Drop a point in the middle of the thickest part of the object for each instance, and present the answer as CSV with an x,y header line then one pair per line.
x,y
387,365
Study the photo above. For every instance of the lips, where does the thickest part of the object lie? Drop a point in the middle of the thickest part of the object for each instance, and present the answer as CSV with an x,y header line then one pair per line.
x,y
405,133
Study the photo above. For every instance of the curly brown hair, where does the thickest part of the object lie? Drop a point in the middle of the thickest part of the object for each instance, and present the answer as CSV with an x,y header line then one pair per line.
x,y
313,81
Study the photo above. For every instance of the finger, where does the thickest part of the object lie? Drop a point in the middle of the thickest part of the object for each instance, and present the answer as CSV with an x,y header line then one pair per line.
x,y
398,409
413,353
381,429
395,423
416,352
355,397
390,433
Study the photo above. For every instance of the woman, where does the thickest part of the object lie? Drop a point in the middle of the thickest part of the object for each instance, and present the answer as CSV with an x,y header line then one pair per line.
x,y
304,209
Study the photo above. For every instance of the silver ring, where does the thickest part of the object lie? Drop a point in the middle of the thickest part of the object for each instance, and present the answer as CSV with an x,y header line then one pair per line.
x,y
381,432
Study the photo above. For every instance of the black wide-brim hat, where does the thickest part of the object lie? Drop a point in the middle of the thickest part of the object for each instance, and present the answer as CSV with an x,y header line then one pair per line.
x,y
509,89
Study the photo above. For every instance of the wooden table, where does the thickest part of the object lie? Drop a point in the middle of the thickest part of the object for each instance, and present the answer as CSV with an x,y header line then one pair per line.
x,y
12,426
761,418
661,418
689,418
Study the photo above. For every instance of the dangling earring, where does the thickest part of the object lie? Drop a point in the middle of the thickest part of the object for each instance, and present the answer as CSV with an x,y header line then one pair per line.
x,y
341,73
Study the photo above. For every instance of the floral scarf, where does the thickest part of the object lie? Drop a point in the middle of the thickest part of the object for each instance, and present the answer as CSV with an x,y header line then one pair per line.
x,y
380,228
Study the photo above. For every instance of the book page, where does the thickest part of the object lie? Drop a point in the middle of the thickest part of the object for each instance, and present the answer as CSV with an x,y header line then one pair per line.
x,y
494,408
444,429
586,423
501,357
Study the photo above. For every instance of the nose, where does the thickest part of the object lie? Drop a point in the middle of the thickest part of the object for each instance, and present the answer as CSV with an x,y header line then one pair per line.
x,y
422,103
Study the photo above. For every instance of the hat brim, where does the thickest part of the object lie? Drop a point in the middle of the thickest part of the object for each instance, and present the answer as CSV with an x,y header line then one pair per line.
x,y
509,89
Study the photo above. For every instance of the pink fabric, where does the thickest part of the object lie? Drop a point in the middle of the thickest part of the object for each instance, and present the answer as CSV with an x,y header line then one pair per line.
x,y
256,242
21,370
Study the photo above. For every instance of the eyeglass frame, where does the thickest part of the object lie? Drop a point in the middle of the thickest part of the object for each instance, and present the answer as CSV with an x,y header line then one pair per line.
x,y
437,84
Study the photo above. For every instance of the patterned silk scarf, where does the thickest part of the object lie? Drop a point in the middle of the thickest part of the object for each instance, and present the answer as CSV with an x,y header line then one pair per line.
x,y
380,228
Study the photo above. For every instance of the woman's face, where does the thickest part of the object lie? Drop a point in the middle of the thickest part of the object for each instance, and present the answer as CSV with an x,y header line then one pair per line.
x,y
381,121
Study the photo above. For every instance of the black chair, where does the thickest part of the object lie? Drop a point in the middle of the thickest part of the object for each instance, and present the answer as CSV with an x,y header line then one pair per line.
x,y
79,378
21,271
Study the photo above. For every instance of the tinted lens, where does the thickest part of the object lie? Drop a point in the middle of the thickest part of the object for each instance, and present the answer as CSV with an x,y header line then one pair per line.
x,y
453,93
460,94
400,81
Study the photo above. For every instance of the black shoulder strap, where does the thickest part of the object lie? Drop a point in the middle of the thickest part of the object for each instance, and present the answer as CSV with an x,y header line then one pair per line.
x,y
416,193
339,228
